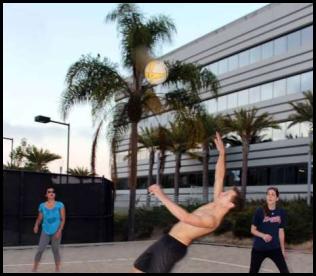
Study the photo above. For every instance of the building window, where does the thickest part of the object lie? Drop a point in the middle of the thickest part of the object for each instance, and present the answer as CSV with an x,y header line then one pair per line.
x,y
267,50
302,174
307,81
255,54
222,103
211,105
233,62
223,66
233,178
214,68
307,35
293,85
267,91
294,40
232,100
254,95
243,58
279,88
280,46
258,176
243,97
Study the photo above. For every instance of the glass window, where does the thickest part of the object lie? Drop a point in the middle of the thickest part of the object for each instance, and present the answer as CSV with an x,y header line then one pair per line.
x,y
293,85
279,134
243,58
280,46
232,100
302,174
255,54
233,62
304,129
254,95
279,88
233,178
266,91
267,50
223,66
211,105
266,134
258,176
307,81
243,97
293,132
290,175
294,40
213,68
307,35
276,176
222,103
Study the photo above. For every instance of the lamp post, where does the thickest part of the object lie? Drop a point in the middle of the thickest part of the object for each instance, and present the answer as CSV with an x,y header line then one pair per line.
x,y
309,170
45,120
11,139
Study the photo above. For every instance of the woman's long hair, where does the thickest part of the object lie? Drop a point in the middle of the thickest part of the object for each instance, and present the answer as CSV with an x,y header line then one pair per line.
x,y
266,209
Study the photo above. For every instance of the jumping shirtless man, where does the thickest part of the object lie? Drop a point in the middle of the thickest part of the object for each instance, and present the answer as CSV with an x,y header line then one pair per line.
x,y
172,247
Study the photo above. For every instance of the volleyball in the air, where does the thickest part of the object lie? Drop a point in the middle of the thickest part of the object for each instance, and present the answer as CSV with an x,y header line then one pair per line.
x,y
156,72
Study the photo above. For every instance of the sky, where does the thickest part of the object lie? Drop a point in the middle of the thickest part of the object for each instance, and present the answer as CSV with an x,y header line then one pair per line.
x,y
41,42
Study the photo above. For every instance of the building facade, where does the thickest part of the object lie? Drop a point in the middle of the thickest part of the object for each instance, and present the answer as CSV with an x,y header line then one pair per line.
x,y
264,59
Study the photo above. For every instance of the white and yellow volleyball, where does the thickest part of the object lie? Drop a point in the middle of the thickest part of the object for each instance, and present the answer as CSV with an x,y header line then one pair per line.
x,y
156,72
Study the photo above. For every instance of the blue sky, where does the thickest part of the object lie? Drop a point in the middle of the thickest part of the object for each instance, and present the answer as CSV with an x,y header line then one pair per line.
x,y
41,41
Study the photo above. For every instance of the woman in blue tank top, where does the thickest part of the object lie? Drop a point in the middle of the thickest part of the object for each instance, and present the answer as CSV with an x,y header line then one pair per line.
x,y
268,229
52,215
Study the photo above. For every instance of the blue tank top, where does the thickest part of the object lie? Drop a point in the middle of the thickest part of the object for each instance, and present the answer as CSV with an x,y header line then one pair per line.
x,y
51,217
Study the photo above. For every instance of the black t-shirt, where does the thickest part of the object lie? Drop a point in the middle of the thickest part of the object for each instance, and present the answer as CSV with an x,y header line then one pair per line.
x,y
269,224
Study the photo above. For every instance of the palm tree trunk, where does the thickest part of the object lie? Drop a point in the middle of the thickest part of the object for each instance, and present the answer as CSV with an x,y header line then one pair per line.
x,y
162,165
206,181
177,177
245,151
132,180
150,175
114,172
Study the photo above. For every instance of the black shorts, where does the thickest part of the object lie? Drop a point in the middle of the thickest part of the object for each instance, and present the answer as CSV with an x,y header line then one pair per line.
x,y
161,256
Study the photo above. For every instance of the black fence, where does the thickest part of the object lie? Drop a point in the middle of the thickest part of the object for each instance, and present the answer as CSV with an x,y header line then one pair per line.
x,y
88,203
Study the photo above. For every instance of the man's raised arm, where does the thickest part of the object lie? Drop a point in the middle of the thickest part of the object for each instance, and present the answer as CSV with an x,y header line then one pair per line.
x,y
220,166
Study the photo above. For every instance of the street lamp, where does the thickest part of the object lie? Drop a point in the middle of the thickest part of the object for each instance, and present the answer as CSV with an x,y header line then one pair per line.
x,y
45,120
11,139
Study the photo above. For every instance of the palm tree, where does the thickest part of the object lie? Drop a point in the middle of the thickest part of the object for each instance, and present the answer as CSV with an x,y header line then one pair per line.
x,y
233,140
37,159
248,124
304,110
149,140
80,171
98,82
180,143
304,113
206,126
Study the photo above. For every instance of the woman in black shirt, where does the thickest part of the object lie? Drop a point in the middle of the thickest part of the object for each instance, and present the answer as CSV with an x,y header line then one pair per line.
x,y
268,230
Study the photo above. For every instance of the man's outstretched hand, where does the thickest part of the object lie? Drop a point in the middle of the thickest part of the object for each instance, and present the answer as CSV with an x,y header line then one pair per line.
x,y
219,143
155,190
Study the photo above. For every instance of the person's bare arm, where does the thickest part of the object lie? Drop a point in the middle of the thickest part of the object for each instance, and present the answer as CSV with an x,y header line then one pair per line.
x,y
62,223
181,214
38,222
282,240
220,166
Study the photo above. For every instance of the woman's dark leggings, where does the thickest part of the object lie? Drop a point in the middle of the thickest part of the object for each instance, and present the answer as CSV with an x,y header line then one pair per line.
x,y
257,257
